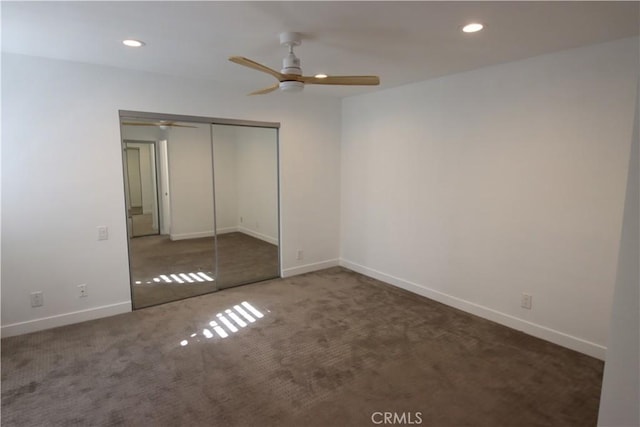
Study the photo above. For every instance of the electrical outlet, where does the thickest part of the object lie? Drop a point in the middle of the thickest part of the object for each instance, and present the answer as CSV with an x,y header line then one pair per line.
x,y
103,232
82,291
299,255
241,219
525,302
37,299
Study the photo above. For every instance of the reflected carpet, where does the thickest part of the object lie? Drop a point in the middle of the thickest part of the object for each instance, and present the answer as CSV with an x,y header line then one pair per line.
x,y
154,259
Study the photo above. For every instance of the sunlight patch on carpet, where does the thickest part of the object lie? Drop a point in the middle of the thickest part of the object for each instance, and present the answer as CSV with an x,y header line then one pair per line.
x,y
229,321
180,278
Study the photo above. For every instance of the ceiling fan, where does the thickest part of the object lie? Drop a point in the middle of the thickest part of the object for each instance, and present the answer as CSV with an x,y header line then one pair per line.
x,y
290,78
162,124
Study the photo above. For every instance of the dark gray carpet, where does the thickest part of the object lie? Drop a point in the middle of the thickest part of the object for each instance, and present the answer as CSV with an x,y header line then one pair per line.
x,y
242,259
332,348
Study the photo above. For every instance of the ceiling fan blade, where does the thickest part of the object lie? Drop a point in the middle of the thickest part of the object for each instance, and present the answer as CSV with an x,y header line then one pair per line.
x,y
138,124
256,66
342,80
266,90
168,124
177,125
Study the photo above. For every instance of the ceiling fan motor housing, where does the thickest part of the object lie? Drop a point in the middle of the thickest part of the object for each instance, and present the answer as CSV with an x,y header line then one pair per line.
x,y
291,65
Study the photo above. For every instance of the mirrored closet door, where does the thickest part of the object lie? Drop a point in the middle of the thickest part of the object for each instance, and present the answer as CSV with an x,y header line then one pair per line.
x,y
246,184
201,205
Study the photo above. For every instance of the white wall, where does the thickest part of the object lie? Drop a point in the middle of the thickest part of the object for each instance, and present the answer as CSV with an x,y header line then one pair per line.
x,y
226,183
621,383
474,188
257,176
246,177
191,182
52,201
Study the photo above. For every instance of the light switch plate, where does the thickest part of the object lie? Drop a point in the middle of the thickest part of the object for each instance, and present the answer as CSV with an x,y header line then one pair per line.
x,y
103,232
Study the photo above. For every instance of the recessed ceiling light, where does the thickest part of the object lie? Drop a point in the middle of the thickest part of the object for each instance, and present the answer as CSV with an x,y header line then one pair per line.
x,y
321,76
472,28
132,43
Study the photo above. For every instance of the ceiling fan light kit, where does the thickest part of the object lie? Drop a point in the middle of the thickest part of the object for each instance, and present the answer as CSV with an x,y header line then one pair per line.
x,y
291,86
290,78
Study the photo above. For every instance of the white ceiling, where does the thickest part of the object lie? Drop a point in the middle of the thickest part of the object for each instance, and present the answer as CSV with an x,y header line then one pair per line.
x,y
402,42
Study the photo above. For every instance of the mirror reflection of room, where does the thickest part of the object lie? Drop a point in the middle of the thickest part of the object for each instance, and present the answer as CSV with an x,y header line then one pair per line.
x,y
172,253
246,184
187,236
142,194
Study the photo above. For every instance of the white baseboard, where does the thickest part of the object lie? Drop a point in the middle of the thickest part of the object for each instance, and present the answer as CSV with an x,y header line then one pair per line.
x,y
307,268
227,230
41,324
199,234
560,338
257,235
196,235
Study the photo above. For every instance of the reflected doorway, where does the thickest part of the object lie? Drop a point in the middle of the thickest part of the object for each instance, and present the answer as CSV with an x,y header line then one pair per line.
x,y
141,191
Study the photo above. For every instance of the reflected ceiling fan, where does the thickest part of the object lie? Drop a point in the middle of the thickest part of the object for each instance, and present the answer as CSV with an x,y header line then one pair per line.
x,y
290,78
162,124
